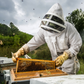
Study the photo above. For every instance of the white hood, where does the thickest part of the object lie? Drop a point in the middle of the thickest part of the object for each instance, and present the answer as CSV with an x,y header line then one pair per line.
x,y
56,10
54,20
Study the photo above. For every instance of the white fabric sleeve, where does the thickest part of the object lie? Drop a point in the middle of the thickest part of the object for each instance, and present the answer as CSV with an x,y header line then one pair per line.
x,y
75,40
35,42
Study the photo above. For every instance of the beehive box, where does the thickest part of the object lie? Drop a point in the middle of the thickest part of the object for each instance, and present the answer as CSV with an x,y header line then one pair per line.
x,y
35,74
6,63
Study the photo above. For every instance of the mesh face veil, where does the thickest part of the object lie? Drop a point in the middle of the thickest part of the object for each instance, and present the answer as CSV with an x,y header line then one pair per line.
x,y
53,20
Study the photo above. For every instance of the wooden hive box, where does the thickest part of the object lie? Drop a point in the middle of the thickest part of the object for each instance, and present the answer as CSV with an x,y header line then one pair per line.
x,y
35,74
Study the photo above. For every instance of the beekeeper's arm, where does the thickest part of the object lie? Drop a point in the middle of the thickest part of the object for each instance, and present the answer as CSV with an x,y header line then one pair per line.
x,y
75,43
34,43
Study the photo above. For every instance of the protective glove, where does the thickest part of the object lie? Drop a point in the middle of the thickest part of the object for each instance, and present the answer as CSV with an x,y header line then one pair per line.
x,y
60,59
17,54
22,51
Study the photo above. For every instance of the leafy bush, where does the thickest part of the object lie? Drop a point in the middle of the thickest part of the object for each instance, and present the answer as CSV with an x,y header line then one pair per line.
x,y
81,71
41,53
16,40
5,51
24,38
5,30
81,53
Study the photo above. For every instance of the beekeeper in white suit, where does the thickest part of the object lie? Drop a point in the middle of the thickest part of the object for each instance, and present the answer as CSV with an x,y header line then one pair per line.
x,y
61,37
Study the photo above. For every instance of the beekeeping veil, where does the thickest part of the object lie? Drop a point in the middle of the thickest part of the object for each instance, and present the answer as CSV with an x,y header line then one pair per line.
x,y
53,20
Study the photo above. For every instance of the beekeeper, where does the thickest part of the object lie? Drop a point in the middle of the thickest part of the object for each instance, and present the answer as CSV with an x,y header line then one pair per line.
x,y
61,37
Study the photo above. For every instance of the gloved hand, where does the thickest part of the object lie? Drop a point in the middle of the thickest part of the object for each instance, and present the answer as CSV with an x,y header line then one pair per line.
x,y
22,51
60,59
17,54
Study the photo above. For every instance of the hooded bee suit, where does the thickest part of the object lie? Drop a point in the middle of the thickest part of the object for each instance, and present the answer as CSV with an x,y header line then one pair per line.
x,y
60,36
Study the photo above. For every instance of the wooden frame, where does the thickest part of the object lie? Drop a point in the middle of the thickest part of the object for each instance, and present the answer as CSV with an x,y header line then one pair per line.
x,y
47,64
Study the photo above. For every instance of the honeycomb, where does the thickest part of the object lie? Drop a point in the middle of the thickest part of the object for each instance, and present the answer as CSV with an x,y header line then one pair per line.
x,y
30,66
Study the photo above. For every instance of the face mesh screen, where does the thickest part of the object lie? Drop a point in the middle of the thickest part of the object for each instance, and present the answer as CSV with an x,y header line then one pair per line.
x,y
56,19
47,16
52,25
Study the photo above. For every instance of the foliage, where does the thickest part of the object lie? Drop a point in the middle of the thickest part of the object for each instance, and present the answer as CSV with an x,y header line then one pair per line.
x,y
41,53
77,19
8,31
81,53
5,51
16,40
12,36
24,38
3,82
5,30
12,39
14,29
81,71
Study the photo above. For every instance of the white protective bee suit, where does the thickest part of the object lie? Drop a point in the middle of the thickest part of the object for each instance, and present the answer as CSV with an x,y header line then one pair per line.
x,y
60,36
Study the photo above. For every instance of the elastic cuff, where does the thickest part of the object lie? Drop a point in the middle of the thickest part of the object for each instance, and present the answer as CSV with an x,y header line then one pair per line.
x,y
69,53
25,48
